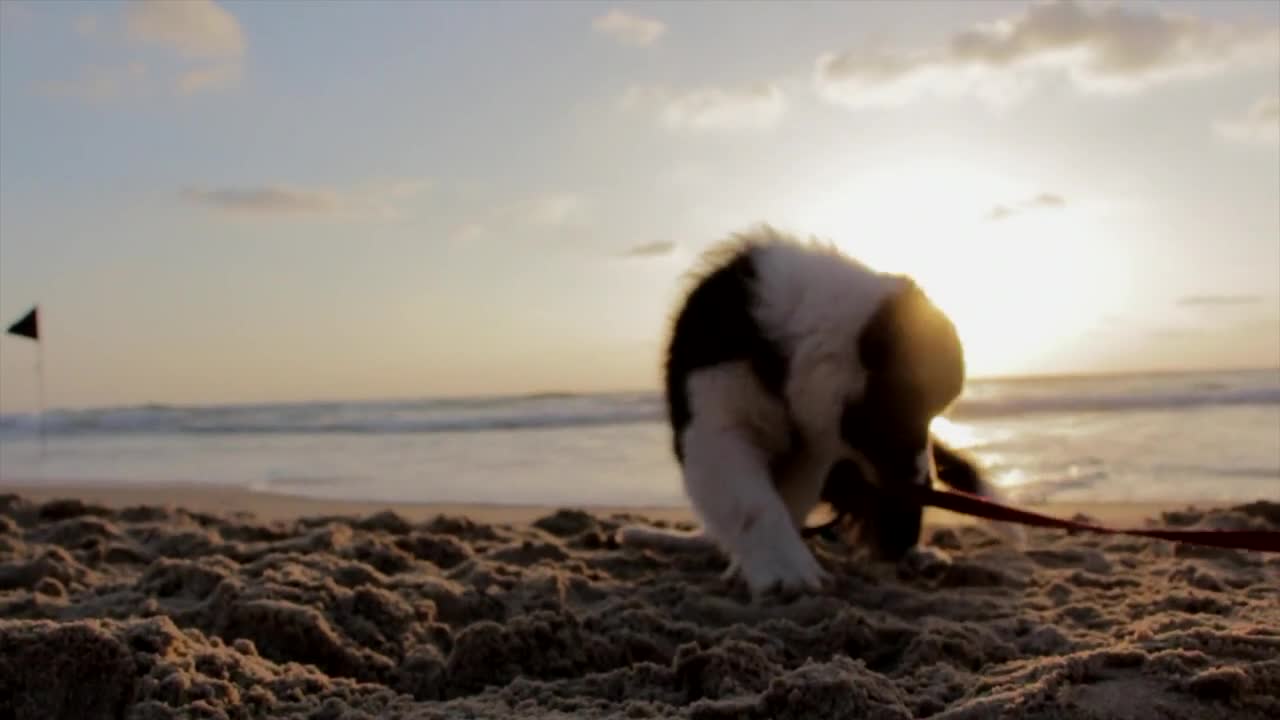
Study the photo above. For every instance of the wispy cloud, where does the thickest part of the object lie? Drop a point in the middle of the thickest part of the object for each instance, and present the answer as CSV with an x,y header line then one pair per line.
x,y
628,29
218,76
468,233
1047,200
751,108
1102,48
652,249
1259,124
377,200
552,208
200,46
268,200
1042,201
99,82
1218,301
549,209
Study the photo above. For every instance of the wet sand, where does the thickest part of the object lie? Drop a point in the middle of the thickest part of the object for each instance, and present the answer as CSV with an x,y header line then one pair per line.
x,y
167,603
270,506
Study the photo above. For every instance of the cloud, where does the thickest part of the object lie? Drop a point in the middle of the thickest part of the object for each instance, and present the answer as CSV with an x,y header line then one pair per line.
x,y
628,29
1000,212
204,34
403,188
1043,201
201,48
378,200
196,29
468,233
219,76
553,209
99,82
1047,200
653,249
269,200
1170,332
1218,301
1259,124
1100,47
751,108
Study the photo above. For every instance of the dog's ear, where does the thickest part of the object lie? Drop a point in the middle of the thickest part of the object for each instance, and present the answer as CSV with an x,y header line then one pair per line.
x,y
913,344
957,470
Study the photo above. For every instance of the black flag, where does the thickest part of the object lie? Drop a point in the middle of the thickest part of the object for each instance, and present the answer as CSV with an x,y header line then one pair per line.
x,y
28,326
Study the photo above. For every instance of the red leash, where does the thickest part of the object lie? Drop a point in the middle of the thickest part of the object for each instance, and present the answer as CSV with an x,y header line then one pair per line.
x,y
968,504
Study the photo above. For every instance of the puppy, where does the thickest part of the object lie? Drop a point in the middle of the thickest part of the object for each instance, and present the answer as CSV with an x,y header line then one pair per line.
x,y
785,357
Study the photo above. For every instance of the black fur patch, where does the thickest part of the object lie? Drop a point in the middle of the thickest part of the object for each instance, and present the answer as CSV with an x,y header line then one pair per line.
x,y
715,325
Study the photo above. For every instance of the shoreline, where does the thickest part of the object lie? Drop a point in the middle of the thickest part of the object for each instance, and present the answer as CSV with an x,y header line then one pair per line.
x,y
277,506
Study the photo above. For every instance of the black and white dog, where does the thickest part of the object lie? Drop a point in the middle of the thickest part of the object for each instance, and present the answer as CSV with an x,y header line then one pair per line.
x,y
789,363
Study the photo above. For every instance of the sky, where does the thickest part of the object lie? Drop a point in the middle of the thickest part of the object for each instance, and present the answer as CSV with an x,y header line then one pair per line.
x,y
219,202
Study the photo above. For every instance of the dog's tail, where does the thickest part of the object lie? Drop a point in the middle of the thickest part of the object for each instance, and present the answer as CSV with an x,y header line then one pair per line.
x,y
669,540
961,472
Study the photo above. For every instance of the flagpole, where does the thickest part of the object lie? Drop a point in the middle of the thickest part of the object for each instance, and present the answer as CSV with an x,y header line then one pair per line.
x,y
40,385
28,326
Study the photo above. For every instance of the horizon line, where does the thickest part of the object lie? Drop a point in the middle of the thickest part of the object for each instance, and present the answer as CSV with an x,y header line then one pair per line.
x,y
372,400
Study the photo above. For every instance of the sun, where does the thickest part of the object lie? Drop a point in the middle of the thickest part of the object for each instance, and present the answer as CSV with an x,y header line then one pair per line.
x,y
1024,289
1026,295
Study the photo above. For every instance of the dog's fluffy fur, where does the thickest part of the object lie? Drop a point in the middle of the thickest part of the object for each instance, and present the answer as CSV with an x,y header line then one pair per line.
x,y
786,360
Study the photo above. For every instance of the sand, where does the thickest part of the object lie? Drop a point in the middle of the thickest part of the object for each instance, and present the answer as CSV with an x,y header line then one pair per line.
x,y
168,605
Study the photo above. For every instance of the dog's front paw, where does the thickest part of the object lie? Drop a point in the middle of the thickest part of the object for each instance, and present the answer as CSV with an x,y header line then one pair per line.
x,y
781,573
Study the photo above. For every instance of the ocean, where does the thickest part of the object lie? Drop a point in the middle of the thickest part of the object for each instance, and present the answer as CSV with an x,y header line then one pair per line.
x,y
1160,438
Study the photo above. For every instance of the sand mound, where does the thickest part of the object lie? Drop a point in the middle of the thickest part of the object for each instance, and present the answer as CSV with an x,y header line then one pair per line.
x,y
153,612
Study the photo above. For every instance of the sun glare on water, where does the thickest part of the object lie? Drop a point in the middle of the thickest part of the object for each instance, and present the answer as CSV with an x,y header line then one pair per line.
x,y
958,435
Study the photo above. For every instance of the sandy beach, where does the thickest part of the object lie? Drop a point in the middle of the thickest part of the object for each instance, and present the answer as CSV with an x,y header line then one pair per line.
x,y
140,602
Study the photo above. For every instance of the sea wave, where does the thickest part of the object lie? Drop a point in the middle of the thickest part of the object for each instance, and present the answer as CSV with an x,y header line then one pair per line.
x,y
1112,402
525,413
562,410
